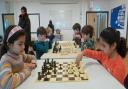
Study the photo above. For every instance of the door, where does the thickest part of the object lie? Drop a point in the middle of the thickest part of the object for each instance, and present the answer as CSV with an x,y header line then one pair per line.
x,y
99,21
8,19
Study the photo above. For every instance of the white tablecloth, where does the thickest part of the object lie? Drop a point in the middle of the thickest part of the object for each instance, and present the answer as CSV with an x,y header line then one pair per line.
x,y
59,56
99,78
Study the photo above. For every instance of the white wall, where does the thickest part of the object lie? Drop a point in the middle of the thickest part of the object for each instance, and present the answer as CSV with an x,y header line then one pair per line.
x,y
44,10
5,7
2,10
103,5
78,11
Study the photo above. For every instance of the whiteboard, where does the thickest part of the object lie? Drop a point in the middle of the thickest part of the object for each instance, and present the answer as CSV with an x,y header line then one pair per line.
x,y
61,19
35,22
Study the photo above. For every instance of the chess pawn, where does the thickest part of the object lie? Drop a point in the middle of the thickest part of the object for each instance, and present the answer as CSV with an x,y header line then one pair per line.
x,y
55,43
45,77
48,72
54,64
60,67
54,49
54,70
39,76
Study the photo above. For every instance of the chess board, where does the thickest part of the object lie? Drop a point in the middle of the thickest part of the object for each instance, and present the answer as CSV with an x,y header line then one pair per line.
x,y
59,56
62,72
65,47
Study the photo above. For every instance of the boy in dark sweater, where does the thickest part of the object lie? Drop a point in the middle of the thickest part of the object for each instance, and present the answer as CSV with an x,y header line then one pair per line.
x,y
42,45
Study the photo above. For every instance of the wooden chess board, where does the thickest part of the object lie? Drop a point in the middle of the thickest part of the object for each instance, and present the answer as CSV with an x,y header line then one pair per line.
x,y
65,72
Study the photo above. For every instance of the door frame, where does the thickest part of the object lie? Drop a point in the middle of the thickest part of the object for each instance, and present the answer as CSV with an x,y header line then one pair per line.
x,y
3,20
107,12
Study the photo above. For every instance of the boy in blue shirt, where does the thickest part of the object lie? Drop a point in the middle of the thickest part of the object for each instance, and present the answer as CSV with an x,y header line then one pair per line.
x,y
42,45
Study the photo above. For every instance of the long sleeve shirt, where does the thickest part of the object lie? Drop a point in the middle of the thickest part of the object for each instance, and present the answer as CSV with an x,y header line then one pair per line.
x,y
12,71
115,66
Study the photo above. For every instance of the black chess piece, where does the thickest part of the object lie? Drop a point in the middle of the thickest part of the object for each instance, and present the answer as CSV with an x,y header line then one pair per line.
x,y
46,78
39,76
51,65
60,67
55,43
54,64
55,50
48,72
54,71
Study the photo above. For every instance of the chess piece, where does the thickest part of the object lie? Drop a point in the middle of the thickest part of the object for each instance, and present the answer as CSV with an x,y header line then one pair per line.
x,y
54,70
54,64
55,50
60,67
55,43
45,78
39,76
60,49
48,72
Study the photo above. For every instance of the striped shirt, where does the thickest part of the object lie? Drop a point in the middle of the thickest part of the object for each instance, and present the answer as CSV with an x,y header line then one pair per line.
x,y
12,71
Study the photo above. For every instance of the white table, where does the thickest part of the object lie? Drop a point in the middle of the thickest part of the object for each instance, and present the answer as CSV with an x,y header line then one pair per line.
x,y
99,78
59,56
62,55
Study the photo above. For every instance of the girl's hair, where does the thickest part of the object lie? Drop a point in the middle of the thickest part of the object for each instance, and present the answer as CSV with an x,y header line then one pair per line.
x,y
12,39
111,36
41,31
88,29
24,8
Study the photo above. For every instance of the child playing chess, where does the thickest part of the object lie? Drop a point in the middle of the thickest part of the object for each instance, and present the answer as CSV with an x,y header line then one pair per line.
x,y
15,66
77,35
113,48
58,35
50,35
43,44
87,37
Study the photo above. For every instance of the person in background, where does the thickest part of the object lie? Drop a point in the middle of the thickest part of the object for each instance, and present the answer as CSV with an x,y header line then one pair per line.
x,y
87,38
15,66
24,22
58,35
113,49
51,26
50,36
42,45
77,35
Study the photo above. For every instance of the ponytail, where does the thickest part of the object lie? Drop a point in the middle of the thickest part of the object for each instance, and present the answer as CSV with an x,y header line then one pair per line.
x,y
121,48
